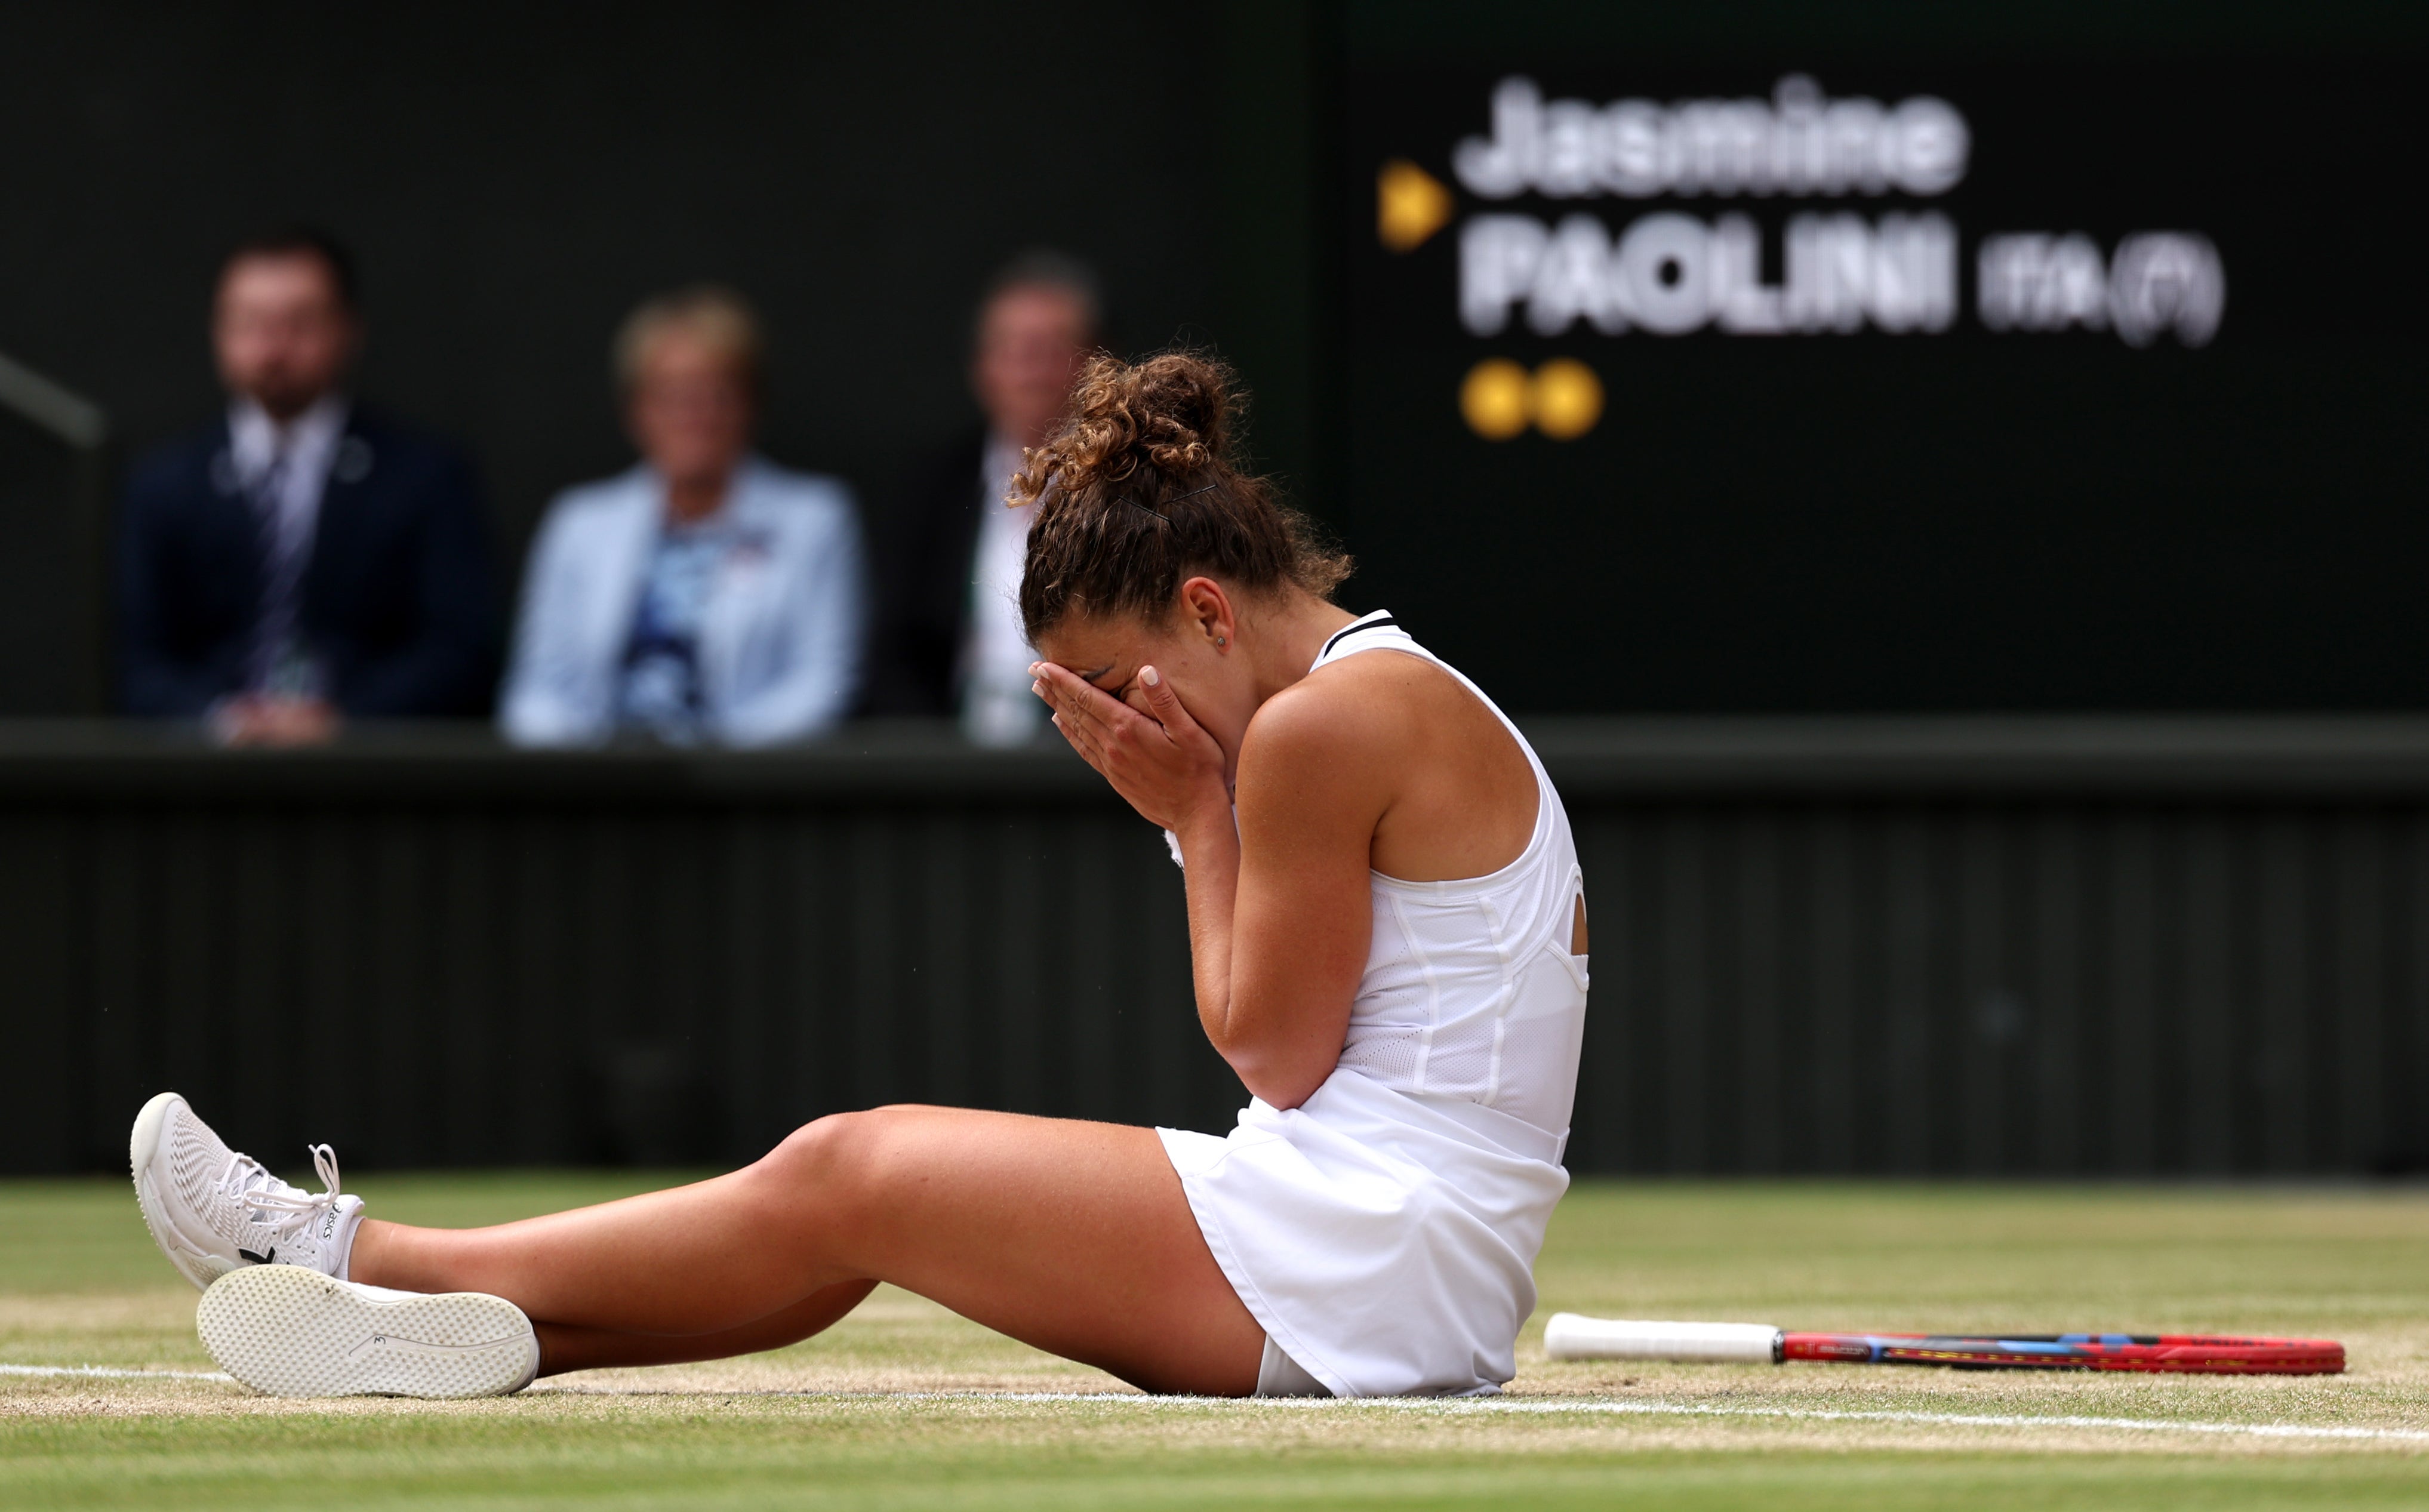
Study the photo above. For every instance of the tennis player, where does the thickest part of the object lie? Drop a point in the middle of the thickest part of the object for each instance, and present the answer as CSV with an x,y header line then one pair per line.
x,y
1388,935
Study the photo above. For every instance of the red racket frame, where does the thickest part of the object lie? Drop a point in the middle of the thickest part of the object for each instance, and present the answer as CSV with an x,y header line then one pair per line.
x,y
2196,1354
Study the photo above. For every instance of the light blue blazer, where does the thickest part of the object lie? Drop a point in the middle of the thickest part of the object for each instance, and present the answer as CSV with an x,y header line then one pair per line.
x,y
779,640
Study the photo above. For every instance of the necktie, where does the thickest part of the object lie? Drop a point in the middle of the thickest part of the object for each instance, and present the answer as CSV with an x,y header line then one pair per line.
x,y
276,657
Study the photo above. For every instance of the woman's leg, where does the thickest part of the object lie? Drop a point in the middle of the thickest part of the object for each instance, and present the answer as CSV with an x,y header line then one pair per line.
x,y
564,1347
1076,1238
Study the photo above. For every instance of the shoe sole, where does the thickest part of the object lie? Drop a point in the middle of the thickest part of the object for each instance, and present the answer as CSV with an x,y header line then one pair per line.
x,y
142,1148
287,1331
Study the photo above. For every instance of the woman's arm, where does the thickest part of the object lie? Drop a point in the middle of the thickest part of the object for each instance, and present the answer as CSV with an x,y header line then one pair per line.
x,y
1281,907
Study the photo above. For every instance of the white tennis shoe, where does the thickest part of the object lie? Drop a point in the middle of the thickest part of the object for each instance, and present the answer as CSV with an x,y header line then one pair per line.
x,y
212,1210
287,1331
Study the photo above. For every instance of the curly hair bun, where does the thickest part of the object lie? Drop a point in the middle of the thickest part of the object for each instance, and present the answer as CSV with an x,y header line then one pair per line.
x,y
1138,490
1170,412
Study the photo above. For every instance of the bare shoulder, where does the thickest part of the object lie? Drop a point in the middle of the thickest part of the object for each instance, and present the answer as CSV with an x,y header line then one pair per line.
x,y
1361,713
1397,749
1326,734
1391,692
1341,707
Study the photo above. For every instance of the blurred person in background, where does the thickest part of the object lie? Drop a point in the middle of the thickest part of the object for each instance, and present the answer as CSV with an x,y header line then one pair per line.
x,y
949,639
706,596
304,560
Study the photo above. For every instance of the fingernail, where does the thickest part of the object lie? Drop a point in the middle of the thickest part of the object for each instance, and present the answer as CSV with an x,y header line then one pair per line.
x,y
1151,677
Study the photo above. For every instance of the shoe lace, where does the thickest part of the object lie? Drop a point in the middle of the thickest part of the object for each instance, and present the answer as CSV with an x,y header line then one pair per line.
x,y
281,1208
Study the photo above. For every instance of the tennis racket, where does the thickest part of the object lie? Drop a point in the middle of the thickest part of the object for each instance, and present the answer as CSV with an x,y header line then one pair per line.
x,y
1569,1336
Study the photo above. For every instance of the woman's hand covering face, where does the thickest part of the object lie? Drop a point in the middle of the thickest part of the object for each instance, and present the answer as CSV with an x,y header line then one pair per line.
x,y
1143,743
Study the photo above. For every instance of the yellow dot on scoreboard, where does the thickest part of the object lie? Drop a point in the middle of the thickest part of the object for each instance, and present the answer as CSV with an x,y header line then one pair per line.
x,y
1410,204
1498,399
1568,398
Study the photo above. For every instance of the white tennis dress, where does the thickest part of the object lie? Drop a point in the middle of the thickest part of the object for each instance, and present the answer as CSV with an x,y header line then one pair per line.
x,y
1384,1231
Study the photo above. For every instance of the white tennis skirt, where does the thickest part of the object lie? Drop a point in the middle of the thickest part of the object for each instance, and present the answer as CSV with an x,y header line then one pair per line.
x,y
1385,1241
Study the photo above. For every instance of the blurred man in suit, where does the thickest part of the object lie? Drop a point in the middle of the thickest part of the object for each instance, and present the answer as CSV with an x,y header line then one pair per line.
x,y
303,560
950,641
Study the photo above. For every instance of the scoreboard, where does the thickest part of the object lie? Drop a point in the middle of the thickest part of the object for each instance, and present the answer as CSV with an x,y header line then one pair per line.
x,y
1753,380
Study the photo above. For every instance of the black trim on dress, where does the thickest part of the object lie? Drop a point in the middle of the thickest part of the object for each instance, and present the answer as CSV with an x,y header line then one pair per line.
x,y
1379,620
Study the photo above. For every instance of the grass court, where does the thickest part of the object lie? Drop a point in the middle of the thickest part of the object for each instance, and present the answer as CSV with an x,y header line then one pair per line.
x,y
905,1405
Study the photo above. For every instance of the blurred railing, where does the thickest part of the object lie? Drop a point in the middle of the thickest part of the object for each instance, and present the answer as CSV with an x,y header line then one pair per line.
x,y
1926,946
54,475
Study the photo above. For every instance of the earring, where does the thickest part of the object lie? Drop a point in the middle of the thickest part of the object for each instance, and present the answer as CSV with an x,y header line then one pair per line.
x,y
1221,641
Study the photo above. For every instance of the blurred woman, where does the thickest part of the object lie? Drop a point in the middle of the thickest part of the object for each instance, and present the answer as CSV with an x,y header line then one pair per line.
x,y
1387,928
706,596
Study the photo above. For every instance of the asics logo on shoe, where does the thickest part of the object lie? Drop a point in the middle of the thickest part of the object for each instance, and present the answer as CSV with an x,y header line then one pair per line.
x,y
214,1210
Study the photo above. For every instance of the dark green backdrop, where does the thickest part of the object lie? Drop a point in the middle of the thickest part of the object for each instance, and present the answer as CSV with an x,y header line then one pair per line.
x,y
515,178
1866,523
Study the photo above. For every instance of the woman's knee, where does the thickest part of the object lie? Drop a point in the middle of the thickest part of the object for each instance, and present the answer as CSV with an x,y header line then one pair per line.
x,y
819,1149
840,1157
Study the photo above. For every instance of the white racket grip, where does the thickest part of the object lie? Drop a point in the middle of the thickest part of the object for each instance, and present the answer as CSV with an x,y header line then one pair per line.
x,y
1570,1335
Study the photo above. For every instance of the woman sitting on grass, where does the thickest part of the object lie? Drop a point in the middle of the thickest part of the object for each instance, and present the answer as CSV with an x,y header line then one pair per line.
x,y
1387,932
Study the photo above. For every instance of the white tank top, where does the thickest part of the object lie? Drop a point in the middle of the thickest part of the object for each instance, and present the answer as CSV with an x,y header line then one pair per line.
x,y
1470,994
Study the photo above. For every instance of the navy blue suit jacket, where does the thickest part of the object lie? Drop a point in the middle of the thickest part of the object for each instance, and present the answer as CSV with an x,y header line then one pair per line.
x,y
397,597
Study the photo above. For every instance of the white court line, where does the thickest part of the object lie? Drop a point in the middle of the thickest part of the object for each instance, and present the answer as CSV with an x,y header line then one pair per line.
x,y
1969,1419
108,1374
1541,1405
1487,1405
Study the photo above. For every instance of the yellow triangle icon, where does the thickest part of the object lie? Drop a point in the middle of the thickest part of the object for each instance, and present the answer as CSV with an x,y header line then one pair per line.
x,y
1410,204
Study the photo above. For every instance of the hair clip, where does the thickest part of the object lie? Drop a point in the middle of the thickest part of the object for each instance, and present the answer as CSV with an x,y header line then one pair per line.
x,y
1158,513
